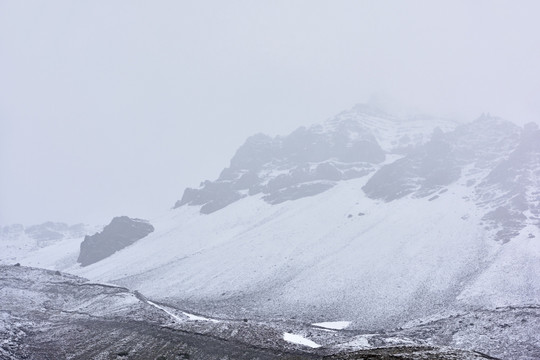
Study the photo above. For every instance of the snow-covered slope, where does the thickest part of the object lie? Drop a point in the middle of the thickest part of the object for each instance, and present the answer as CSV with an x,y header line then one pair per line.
x,y
51,245
366,218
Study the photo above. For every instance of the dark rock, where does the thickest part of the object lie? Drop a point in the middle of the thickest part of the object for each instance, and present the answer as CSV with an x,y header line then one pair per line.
x,y
121,232
423,172
512,185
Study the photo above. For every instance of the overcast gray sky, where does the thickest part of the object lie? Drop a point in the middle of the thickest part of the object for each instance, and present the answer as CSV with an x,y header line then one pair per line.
x,y
114,107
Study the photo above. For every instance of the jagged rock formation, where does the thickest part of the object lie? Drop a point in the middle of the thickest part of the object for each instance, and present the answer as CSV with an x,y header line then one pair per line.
x,y
121,232
499,159
310,160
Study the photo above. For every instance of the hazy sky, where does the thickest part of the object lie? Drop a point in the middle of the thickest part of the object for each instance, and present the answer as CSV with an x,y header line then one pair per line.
x,y
114,107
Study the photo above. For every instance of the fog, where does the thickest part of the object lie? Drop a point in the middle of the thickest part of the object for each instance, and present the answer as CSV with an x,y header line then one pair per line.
x,y
113,108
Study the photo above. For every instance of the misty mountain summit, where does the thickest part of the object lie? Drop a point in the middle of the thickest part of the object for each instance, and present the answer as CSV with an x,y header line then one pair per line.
x,y
312,160
121,232
418,157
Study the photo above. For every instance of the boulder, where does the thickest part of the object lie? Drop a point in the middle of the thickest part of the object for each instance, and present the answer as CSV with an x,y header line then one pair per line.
x,y
121,232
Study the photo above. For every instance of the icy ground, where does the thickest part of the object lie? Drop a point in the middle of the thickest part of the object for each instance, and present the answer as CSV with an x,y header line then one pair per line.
x,y
45,314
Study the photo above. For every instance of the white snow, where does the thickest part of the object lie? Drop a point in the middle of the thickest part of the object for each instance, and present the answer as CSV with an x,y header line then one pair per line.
x,y
360,342
389,130
334,325
53,255
199,318
190,317
173,315
300,340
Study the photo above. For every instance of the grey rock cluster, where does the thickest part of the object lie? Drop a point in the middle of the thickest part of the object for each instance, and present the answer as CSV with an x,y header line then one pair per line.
x,y
498,159
304,163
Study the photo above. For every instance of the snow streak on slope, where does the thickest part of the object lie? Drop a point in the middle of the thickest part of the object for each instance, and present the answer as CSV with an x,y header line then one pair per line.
x,y
178,318
334,325
300,340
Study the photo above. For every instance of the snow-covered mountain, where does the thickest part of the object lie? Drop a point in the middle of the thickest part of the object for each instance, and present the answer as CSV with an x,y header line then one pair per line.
x,y
369,218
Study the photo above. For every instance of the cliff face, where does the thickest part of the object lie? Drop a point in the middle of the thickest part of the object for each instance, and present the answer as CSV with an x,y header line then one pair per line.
x,y
121,232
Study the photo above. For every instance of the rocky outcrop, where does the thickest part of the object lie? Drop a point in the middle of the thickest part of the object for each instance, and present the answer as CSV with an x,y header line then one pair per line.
x,y
304,163
312,160
121,232
498,159
424,171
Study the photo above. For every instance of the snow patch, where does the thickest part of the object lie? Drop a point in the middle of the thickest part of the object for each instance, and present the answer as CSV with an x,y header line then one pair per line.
x,y
190,317
174,316
334,325
297,339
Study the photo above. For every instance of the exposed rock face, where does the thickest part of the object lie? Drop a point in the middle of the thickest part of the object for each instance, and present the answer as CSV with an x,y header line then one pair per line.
x,y
500,160
424,171
418,157
121,232
512,188
308,161
468,151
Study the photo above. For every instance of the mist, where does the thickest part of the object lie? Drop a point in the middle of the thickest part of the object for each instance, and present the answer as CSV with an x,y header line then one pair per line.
x,y
113,108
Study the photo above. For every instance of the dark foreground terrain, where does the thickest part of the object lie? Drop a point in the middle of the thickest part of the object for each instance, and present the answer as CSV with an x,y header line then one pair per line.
x,y
51,315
